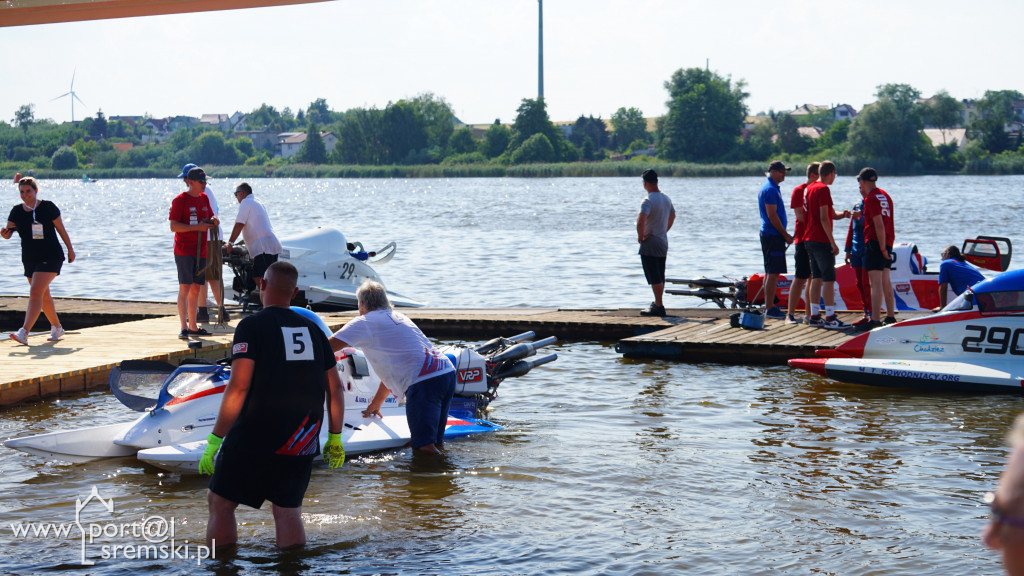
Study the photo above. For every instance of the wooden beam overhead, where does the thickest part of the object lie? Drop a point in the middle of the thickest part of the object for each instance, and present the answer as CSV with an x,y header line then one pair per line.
x,y
28,12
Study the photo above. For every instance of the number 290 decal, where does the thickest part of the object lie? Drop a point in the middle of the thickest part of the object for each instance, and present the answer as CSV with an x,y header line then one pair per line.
x,y
994,340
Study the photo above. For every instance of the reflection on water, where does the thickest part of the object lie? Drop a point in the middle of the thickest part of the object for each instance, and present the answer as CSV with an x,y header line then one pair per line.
x,y
605,465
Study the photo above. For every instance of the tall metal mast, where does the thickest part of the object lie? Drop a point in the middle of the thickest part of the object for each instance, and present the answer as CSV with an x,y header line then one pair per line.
x,y
540,49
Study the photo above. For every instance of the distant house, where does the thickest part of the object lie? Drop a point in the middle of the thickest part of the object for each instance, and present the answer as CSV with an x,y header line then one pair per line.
x,y
289,143
812,132
839,112
159,129
951,135
807,110
843,112
122,146
261,139
223,122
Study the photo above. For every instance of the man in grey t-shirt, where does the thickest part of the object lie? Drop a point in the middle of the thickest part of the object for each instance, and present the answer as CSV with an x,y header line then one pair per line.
x,y
652,225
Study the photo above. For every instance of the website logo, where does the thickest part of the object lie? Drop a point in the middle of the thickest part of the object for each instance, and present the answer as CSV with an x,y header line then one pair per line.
x,y
151,538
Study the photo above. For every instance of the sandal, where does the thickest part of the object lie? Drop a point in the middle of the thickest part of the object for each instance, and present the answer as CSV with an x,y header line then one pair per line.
x,y
200,332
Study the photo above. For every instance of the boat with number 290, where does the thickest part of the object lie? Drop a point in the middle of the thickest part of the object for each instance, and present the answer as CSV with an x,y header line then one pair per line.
x,y
975,344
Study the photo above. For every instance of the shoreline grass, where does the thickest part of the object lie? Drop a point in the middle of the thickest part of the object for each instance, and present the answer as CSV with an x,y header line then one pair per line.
x,y
1001,165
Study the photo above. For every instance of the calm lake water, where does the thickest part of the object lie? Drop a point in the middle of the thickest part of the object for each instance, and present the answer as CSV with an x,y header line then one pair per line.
x,y
606,465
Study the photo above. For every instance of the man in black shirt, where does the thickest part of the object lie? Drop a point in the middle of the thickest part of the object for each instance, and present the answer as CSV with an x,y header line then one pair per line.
x,y
270,418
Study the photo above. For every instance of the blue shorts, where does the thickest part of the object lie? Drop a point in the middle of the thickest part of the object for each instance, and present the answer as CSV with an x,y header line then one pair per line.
x,y
426,408
773,249
187,270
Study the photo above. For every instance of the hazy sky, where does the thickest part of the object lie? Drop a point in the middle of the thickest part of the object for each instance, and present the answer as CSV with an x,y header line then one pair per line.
x,y
481,55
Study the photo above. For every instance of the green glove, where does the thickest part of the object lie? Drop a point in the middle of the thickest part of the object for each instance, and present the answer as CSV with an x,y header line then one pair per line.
x,y
213,443
334,452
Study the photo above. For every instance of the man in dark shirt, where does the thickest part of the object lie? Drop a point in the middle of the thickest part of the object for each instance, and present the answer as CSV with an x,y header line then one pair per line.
x,y
281,365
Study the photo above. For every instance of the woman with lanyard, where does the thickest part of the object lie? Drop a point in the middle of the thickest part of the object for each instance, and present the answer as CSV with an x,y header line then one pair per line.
x,y
38,222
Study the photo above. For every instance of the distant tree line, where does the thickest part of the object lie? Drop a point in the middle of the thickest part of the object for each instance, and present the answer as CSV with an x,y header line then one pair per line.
x,y
706,123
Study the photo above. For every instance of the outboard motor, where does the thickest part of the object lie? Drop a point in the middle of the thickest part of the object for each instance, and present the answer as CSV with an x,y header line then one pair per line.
x,y
479,371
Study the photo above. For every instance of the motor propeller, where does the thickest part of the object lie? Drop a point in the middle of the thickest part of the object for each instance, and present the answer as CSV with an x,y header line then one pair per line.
x,y
521,367
522,350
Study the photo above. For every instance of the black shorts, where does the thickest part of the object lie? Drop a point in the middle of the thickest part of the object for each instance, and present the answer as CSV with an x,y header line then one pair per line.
x,y
803,262
260,263
654,268
187,270
250,479
823,261
53,266
873,256
773,250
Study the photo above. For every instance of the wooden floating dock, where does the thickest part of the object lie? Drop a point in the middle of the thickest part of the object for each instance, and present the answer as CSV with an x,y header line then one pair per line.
x,y
713,339
84,358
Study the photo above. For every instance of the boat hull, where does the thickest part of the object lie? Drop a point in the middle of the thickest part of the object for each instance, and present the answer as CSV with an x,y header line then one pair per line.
x,y
369,435
975,345
76,446
927,375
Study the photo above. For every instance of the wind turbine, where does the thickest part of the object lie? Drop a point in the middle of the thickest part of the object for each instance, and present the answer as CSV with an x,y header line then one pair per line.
x,y
73,94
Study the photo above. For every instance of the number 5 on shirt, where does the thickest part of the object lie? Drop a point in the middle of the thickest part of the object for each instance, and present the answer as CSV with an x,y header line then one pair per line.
x,y
298,345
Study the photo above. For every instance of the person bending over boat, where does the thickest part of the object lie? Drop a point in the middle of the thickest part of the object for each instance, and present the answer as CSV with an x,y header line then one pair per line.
x,y
407,363
879,234
801,261
1005,529
268,428
652,225
38,223
253,223
822,248
955,273
774,237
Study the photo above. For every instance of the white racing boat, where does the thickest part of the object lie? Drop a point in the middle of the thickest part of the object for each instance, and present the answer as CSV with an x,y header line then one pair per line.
x,y
330,270
171,432
976,344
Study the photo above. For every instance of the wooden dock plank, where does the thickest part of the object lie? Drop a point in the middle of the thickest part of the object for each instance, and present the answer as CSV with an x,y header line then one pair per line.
x,y
85,357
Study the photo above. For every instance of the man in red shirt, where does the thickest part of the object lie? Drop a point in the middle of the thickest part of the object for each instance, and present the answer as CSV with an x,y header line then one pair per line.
x,y
803,262
191,216
878,238
822,248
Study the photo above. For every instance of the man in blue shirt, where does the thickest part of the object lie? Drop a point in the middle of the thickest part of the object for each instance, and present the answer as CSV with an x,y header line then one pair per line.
x,y
774,238
955,273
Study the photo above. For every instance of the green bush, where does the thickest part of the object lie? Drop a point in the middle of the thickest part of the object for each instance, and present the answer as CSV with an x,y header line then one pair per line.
x,y
65,158
536,148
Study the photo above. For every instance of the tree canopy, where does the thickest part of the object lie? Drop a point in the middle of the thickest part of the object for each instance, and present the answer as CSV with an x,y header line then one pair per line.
x,y
705,116
889,128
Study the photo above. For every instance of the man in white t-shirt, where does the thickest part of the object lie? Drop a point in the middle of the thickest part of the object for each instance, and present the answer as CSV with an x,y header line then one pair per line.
x,y
213,275
407,363
253,224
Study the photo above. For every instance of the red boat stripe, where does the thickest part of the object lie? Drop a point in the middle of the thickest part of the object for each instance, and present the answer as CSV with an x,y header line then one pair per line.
x,y
211,391
814,365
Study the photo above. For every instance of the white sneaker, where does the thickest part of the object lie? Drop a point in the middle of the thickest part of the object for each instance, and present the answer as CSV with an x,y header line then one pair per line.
x,y
834,323
21,336
56,333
